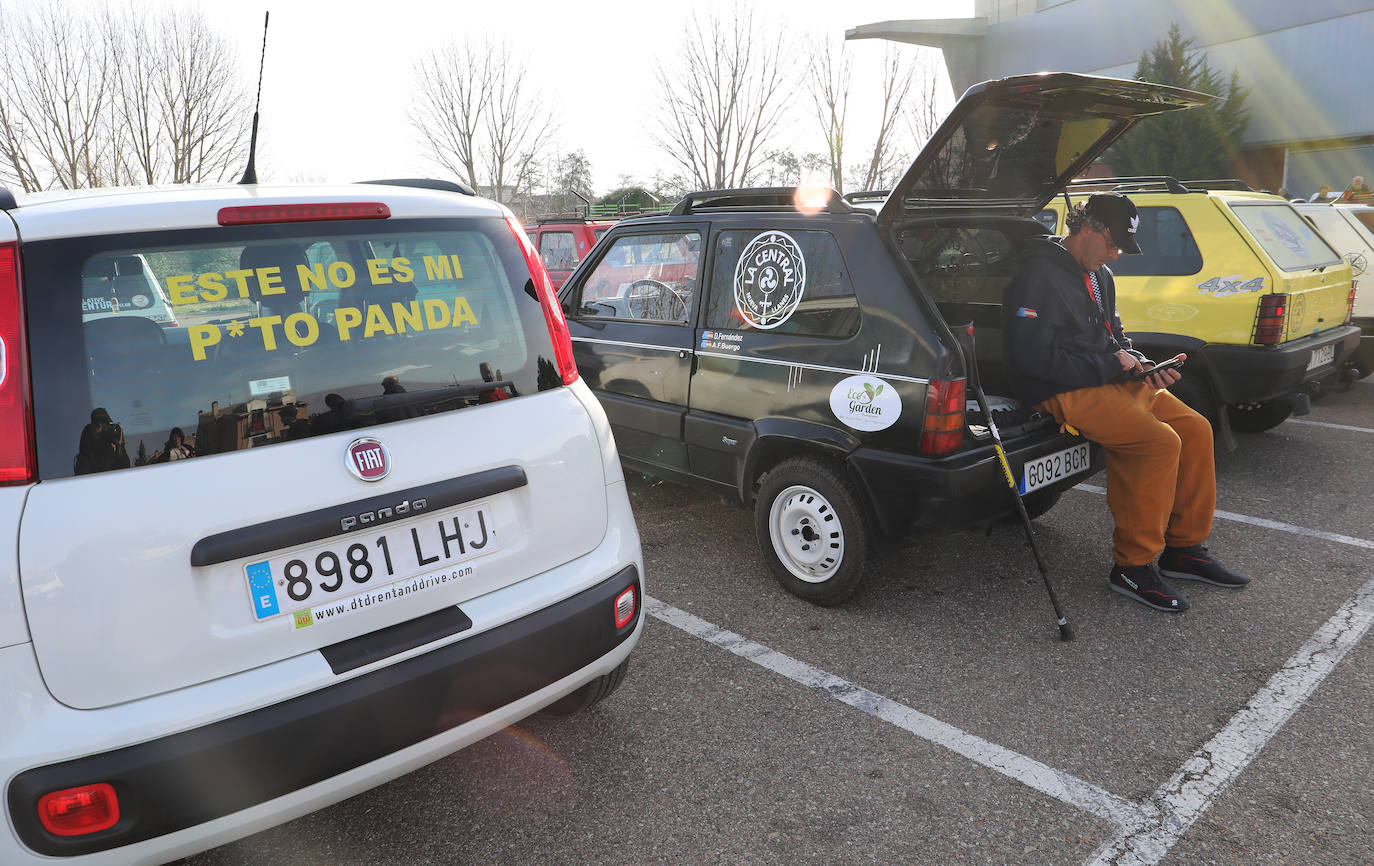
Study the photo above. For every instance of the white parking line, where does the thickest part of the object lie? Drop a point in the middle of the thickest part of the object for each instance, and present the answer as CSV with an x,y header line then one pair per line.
x,y
1330,425
1028,771
1149,830
1189,793
1183,799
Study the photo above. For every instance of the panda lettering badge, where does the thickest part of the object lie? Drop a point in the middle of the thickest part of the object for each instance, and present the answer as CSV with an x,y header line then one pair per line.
x,y
769,280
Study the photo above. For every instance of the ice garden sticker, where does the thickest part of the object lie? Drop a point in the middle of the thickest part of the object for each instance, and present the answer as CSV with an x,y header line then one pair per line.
x,y
769,280
865,403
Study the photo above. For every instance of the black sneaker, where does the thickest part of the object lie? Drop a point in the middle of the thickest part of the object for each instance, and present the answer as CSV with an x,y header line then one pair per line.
x,y
1144,584
1195,563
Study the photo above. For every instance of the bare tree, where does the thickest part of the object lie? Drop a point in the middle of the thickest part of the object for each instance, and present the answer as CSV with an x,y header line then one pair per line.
x,y
15,163
55,93
828,79
203,107
723,99
924,115
517,123
482,119
898,80
117,97
134,103
453,89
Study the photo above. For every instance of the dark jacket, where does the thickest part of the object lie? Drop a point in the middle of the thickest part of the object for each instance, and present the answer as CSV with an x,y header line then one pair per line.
x,y
1054,337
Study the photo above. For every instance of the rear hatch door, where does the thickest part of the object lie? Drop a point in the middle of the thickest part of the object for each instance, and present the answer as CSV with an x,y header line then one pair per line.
x,y
1010,145
1308,269
369,426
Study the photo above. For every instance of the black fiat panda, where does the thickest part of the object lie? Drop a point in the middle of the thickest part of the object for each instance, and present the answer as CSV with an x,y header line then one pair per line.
x,y
789,349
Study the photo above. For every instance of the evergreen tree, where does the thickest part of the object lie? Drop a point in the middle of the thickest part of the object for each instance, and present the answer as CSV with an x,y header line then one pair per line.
x,y
1197,144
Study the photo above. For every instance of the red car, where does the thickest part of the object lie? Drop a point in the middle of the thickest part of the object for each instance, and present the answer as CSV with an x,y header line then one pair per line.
x,y
564,241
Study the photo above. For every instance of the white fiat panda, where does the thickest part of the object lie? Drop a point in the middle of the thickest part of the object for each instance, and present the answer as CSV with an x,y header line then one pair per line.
x,y
432,541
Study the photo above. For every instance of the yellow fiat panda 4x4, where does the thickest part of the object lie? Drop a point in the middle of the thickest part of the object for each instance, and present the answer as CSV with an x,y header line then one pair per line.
x,y
1238,280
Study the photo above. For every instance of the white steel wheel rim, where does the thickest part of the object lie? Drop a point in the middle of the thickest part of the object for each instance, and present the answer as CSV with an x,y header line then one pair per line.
x,y
807,534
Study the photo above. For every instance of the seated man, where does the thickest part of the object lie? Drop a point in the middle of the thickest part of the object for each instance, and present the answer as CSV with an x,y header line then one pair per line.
x,y
1068,355
1356,190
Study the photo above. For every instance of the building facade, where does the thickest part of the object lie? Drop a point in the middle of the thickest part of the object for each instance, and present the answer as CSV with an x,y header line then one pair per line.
x,y
1307,66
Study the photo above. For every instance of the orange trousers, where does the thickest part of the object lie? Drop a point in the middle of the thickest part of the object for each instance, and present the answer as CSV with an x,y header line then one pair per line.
x,y
1161,481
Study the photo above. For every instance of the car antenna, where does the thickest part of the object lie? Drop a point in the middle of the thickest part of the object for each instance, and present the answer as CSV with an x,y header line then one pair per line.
x,y
250,174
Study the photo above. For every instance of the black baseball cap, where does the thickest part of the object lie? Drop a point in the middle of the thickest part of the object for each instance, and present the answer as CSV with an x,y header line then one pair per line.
x,y
1119,215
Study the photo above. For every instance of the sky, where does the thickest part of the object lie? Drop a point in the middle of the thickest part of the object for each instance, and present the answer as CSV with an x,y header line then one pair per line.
x,y
338,73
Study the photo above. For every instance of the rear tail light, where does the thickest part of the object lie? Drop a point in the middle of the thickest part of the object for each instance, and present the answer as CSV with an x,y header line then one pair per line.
x,y
625,606
1270,320
17,457
943,429
78,811
303,213
1350,302
553,311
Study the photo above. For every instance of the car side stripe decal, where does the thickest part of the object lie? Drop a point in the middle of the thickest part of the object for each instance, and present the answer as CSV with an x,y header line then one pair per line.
x,y
630,345
844,371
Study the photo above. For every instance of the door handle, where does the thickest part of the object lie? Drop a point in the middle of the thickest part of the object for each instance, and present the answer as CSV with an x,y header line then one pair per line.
x,y
682,353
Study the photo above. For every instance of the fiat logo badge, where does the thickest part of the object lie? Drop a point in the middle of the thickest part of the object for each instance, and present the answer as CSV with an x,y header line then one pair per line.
x,y
368,459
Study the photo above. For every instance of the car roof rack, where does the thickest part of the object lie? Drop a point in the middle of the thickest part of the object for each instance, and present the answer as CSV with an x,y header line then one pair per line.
x,y
773,198
1220,183
578,217
426,183
7,201
1124,184
867,195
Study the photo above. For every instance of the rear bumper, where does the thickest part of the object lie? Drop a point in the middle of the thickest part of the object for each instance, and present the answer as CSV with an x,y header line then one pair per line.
x,y
251,751
1251,374
961,491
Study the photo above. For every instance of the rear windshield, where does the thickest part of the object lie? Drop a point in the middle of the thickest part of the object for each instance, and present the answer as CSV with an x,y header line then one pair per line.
x,y
1285,236
1366,219
235,338
1007,152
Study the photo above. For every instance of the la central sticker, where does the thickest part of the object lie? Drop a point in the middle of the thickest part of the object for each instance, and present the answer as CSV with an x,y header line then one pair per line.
x,y
866,403
770,278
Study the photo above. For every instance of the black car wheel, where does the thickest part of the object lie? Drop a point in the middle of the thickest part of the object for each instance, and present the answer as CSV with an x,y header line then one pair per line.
x,y
813,530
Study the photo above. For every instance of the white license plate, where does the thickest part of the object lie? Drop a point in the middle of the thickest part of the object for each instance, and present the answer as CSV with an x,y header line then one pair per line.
x,y
1052,467
1322,355
360,562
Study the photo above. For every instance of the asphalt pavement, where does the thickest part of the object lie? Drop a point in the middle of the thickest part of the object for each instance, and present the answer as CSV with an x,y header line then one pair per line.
x,y
936,717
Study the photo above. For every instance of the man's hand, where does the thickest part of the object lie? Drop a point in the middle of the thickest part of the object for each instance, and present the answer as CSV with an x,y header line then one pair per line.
x,y
1130,363
1164,378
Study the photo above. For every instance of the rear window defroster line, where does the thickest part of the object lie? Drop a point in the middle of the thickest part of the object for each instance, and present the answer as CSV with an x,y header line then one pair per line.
x,y
326,522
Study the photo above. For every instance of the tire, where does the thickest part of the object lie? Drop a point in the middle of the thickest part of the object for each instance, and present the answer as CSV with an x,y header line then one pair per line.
x,y
797,498
1038,502
1258,417
593,692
